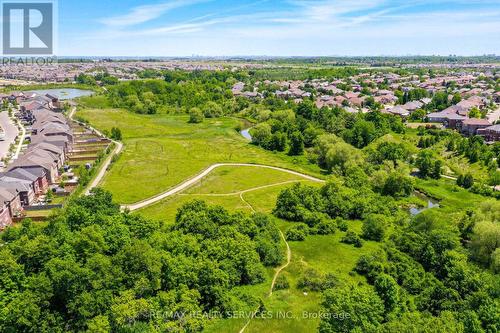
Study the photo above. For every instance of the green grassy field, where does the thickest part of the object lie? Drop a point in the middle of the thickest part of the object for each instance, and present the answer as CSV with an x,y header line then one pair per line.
x,y
226,186
451,196
161,151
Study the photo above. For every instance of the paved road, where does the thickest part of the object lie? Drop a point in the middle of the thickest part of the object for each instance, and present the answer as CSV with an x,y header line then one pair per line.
x,y
194,180
10,133
493,116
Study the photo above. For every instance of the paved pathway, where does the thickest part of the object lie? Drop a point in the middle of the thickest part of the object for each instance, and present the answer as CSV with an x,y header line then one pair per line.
x,y
21,142
11,132
194,180
493,116
104,167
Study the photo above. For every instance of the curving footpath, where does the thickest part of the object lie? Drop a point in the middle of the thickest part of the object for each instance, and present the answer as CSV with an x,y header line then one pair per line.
x,y
102,172
194,180
104,167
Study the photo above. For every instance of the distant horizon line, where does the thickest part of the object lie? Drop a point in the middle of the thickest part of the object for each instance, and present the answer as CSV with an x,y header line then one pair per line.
x,y
270,57
283,56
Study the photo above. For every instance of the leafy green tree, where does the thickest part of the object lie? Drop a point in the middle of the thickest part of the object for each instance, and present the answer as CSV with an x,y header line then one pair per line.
x,y
296,144
261,134
277,142
295,202
456,99
425,163
298,232
363,306
306,109
465,181
398,185
439,101
485,241
388,290
475,113
362,134
374,227
116,134
212,110
436,169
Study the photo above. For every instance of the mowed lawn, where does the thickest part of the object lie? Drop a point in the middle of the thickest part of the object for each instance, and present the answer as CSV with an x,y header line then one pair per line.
x,y
162,151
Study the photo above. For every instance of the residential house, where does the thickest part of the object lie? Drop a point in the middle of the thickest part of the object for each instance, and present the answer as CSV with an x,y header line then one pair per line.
x,y
10,205
23,187
37,178
491,133
472,125
399,111
448,119
32,161
413,105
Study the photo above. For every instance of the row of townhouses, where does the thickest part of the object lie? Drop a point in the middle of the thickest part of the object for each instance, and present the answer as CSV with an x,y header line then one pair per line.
x,y
50,139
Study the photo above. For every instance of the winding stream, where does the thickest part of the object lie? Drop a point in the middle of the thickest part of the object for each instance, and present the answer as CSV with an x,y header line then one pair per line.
x,y
246,134
431,203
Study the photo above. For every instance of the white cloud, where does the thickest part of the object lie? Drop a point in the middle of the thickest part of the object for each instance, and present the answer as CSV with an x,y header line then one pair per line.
x,y
147,13
310,27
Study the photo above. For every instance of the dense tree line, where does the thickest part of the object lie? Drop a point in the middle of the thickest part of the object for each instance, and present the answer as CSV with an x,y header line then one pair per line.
x,y
93,268
178,93
307,128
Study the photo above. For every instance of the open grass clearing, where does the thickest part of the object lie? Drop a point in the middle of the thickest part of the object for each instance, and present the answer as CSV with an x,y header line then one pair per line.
x,y
161,151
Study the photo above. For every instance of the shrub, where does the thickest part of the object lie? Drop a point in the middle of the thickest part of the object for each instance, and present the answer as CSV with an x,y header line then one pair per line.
x,y
116,134
281,283
353,239
195,116
312,280
374,227
326,227
298,232
341,224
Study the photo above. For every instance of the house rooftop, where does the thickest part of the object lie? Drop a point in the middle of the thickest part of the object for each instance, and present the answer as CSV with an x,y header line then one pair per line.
x,y
476,121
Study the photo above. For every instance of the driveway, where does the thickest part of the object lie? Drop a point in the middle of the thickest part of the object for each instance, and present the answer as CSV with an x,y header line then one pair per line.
x,y
10,133
493,116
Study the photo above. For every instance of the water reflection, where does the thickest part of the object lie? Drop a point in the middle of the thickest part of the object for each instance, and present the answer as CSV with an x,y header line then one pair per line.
x,y
431,203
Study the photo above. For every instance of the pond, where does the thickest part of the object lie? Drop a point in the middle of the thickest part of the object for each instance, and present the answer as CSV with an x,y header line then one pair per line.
x,y
65,93
431,203
246,134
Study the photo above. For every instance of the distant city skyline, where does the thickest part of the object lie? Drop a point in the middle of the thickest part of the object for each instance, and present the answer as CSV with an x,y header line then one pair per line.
x,y
215,28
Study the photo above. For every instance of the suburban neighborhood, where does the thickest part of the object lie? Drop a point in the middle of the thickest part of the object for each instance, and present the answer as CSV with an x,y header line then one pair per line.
x,y
392,93
250,166
46,151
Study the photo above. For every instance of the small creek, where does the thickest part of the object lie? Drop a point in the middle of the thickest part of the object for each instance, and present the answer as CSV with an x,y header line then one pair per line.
x,y
431,203
246,134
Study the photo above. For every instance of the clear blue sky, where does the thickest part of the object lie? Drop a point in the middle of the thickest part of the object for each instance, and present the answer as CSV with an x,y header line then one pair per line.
x,y
278,27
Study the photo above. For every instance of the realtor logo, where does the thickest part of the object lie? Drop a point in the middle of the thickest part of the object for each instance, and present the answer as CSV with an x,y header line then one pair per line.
x,y
28,28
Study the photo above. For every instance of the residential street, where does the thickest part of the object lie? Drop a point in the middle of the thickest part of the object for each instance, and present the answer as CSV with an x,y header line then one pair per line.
x,y
10,133
493,116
